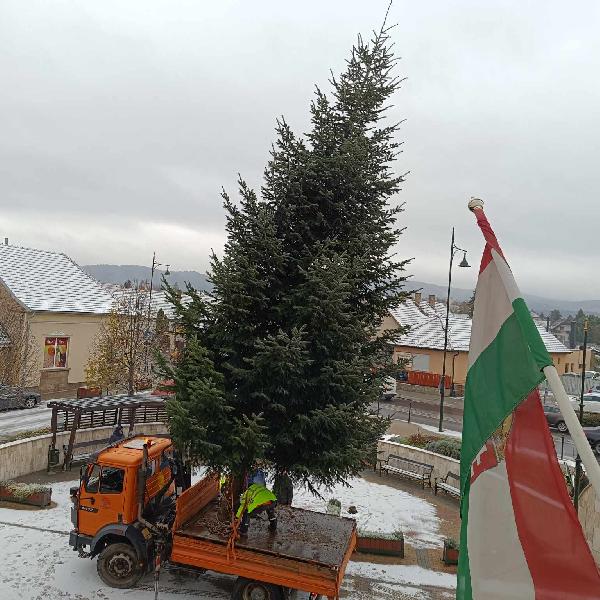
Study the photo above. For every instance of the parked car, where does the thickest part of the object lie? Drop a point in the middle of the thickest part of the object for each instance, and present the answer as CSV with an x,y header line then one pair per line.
x,y
555,418
591,403
13,397
593,436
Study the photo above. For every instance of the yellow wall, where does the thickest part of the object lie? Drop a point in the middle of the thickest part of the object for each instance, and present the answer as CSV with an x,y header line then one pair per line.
x,y
436,359
81,331
461,363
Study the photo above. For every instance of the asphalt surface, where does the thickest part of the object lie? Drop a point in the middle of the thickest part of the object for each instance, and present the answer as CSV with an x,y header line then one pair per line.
x,y
24,419
424,410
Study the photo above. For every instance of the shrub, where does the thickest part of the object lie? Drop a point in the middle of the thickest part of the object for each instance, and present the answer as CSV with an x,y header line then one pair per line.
x,y
451,544
420,440
446,447
591,419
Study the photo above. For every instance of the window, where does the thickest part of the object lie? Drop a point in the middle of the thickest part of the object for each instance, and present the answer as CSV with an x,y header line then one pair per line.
x,y
420,362
55,352
112,480
91,485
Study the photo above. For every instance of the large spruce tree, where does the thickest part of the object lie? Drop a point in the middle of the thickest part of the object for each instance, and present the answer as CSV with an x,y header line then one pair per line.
x,y
284,358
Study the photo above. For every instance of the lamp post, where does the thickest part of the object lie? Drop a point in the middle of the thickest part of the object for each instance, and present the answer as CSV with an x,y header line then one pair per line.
x,y
463,263
155,264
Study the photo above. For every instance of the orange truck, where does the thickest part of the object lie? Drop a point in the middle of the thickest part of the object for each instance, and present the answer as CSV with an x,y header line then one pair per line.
x,y
130,510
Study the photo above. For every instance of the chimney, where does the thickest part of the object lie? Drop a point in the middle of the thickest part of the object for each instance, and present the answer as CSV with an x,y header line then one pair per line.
x,y
417,298
431,300
6,241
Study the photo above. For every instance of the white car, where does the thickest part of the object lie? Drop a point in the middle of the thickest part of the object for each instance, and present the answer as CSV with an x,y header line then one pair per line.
x,y
591,403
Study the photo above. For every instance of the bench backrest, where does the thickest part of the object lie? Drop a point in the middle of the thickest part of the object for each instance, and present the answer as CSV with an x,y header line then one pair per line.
x,y
453,478
408,464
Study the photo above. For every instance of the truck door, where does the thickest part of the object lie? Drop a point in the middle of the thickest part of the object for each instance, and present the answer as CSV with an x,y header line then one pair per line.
x,y
101,498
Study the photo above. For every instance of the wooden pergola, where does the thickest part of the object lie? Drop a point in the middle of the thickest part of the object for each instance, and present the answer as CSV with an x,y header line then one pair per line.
x,y
104,411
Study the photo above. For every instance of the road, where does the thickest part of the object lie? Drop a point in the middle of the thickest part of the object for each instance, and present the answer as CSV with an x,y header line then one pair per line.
x,y
424,410
15,421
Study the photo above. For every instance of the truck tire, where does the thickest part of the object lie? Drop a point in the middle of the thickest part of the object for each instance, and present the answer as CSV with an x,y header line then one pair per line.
x,y
248,589
119,567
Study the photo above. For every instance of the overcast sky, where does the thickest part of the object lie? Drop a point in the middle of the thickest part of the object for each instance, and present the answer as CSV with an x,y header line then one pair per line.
x,y
121,121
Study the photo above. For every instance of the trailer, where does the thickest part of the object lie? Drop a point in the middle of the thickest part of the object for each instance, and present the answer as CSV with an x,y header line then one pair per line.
x,y
308,552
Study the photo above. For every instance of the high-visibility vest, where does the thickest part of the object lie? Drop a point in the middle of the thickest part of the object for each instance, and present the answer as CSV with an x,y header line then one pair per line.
x,y
256,495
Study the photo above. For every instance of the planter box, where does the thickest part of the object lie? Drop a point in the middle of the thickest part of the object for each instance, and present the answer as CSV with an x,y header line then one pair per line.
x,y
450,556
25,493
378,545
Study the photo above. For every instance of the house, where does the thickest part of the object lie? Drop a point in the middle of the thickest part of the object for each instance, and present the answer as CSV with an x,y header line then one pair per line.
x,y
422,346
51,310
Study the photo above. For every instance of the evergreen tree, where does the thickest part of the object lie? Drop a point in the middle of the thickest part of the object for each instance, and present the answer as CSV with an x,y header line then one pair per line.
x,y
286,350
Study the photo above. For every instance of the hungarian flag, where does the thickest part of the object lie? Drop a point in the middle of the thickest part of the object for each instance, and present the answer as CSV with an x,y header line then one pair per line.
x,y
520,537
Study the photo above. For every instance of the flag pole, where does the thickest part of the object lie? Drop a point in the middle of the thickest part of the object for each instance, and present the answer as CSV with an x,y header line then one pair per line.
x,y
588,459
584,449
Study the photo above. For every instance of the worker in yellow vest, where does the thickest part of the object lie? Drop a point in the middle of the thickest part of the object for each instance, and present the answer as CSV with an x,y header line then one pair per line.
x,y
255,500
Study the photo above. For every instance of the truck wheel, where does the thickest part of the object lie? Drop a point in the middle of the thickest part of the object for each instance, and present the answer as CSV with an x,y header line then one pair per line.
x,y
29,403
247,589
119,567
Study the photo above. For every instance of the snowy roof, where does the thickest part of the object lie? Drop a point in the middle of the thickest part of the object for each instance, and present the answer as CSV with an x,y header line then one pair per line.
x,y
427,325
49,281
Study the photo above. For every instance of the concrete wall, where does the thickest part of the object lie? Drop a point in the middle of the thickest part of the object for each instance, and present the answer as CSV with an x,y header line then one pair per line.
x,y
30,455
589,516
441,464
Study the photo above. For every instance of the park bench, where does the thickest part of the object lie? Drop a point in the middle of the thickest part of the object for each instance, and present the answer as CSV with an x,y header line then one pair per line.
x,y
83,455
449,484
407,467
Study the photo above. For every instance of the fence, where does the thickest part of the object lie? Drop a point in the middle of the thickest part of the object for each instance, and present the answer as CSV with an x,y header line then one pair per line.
x,y
427,379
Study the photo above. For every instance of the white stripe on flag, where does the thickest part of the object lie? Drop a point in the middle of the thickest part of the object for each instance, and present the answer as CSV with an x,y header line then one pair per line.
x,y
491,301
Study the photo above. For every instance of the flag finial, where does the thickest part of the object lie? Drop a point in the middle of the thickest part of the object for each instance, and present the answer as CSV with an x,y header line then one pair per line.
x,y
475,203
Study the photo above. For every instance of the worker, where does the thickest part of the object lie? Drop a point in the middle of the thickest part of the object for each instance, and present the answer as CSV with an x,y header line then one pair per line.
x,y
283,488
117,435
255,500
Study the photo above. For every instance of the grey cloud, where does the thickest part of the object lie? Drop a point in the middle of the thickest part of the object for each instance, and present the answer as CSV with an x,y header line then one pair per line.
x,y
124,120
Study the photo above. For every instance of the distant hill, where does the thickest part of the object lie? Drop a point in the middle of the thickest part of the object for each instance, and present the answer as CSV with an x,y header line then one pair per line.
x,y
119,274
537,303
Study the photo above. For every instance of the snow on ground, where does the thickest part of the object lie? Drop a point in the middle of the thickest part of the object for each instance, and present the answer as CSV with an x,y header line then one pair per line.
x,y
446,432
403,574
381,508
38,564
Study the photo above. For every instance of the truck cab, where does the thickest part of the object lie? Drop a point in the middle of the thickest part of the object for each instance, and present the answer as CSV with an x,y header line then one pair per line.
x,y
124,492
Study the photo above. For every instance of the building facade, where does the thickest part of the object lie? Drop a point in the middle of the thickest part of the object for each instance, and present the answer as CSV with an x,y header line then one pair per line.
x,y
421,348
52,312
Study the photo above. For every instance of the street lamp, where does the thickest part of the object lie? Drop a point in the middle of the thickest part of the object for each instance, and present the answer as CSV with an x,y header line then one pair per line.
x,y
463,263
155,264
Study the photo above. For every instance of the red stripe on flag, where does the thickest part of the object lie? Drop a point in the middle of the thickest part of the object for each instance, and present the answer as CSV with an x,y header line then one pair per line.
x,y
488,234
558,556
486,259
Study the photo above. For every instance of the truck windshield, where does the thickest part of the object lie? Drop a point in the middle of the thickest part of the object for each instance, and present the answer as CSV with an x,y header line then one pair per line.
x,y
112,480
107,480
91,483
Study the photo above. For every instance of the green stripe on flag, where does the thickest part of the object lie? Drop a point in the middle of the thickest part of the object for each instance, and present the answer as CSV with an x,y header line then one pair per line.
x,y
500,379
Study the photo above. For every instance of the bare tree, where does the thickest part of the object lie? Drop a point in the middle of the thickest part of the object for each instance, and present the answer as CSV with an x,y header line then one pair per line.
x,y
18,364
126,342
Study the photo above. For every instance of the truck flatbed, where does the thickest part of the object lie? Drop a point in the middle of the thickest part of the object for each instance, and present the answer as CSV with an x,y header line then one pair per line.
x,y
309,551
301,534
